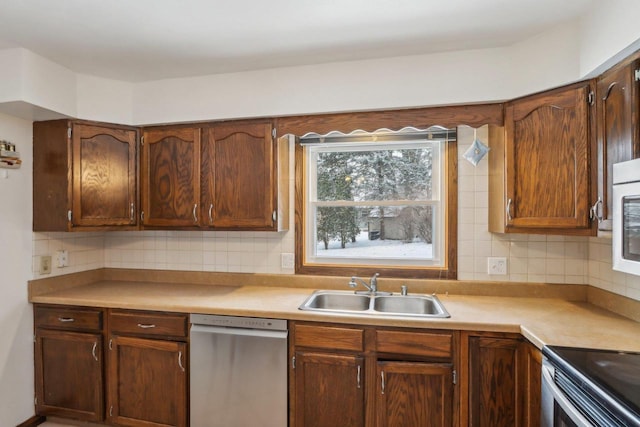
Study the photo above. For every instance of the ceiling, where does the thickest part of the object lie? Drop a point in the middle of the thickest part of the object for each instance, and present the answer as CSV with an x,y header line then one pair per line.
x,y
141,40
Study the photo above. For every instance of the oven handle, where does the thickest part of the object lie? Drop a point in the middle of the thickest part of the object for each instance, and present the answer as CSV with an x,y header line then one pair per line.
x,y
264,333
562,400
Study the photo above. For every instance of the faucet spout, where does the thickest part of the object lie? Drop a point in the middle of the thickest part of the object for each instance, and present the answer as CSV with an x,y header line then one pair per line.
x,y
372,286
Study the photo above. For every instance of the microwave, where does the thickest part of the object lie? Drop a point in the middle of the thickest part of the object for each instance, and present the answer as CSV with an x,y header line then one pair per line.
x,y
626,217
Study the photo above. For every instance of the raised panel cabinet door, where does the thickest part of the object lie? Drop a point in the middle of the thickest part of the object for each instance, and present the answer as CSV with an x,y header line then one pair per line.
x,y
238,177
147,382
104,176
494,398
329,390
171,177
69,374
412,394
547,144
531,384
617,129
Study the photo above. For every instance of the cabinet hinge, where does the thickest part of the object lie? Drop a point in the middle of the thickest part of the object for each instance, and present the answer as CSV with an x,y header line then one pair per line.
x,y
637,75
69,215
455,377
293,362
35,400
34,338
69,131
591,98
273,133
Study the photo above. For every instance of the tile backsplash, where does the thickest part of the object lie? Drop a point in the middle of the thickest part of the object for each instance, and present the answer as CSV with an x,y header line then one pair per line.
x,y
530,258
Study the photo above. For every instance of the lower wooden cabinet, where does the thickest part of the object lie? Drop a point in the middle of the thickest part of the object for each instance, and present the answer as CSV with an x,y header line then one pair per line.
x,y
501,373
329,390
68,369
147,382
370,376
69,362
143,382
414,394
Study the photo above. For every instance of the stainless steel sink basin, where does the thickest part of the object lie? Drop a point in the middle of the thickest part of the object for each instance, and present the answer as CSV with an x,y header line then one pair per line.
x,y
337,301
422,305
375,304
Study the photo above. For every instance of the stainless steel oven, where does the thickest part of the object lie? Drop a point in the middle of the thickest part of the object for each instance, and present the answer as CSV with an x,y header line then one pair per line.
x,y
590,388
626,217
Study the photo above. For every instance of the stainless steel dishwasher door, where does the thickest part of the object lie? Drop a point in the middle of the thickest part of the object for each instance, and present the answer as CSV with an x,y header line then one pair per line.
x,y
238,374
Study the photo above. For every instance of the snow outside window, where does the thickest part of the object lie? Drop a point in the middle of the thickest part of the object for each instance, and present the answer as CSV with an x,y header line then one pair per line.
x,y
375,203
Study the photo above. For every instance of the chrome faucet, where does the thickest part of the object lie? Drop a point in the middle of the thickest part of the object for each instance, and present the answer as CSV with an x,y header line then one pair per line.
x,y
372,286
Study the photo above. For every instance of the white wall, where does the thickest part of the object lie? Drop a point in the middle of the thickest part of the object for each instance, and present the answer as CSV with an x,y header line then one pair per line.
x,y
16,324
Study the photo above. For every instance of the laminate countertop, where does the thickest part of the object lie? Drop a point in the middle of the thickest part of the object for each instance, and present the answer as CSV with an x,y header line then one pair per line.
x,y
543,321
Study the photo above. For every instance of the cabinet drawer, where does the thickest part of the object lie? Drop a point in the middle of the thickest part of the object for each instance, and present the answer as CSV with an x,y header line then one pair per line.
x,y
148,323
415,343
68,318
329,337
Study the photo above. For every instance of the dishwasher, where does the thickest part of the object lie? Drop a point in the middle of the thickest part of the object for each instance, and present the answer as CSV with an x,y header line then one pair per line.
x,y
238,371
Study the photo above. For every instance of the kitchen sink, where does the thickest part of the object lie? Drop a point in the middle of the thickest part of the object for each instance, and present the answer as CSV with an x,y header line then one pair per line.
x,y
349,302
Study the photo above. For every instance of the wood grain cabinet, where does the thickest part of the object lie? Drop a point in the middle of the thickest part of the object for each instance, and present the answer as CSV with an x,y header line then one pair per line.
x,y
367,376
147,374
540,171
69,362
501,373
84,176
618,129
170,177
230,176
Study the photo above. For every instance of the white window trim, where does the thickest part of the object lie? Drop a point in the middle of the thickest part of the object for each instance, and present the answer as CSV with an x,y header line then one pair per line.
x,y
438,200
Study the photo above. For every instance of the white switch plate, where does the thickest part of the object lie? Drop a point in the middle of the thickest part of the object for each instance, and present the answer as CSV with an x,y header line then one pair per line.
x,y
288,260
63,258
497,266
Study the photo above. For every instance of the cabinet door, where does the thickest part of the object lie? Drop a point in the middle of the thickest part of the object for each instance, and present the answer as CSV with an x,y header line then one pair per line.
x,y
617,100
238,177
329,390
69,372
104,176
494,396
414,394
147,382
548,140
171,177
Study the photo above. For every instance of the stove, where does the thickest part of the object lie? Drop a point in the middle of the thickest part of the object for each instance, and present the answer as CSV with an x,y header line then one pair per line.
x,y
601,387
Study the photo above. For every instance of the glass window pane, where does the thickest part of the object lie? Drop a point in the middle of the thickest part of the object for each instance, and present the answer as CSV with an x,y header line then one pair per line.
x,y
375,174
380,232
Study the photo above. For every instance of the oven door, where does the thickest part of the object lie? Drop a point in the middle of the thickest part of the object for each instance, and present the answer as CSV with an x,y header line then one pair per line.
x,y
557,409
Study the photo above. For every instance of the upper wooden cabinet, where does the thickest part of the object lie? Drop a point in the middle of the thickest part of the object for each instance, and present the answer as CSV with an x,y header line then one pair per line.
x,y
618,129
221,176
84,176
540,175
171,177
238,177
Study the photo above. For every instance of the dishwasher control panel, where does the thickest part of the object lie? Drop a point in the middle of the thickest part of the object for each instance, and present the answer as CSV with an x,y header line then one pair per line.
x,y
238,322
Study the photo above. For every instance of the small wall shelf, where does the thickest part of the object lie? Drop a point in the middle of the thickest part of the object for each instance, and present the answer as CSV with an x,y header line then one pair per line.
x,y
10,159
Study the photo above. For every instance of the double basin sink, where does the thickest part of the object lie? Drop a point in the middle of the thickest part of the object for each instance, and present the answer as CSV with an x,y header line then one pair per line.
x,y
349,302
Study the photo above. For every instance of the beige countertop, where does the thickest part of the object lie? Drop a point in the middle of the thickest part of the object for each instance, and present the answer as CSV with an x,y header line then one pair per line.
x,y
550,321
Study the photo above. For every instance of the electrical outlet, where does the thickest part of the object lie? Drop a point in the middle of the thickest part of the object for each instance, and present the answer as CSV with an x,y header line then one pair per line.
x,y
497,266
45,265
288,260
63,258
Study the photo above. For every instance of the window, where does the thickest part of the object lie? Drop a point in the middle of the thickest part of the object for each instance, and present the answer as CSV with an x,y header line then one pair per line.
x,y
376,202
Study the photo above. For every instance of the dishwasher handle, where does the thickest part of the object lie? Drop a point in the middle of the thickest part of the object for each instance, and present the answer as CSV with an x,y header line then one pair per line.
x,y
239,331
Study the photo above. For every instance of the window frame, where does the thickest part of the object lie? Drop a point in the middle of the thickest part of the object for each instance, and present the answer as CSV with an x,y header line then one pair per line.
x,y
449,198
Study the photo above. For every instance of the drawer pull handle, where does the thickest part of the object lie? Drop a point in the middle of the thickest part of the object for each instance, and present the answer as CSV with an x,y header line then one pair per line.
x,y
180,361
93,350
146,326
66,319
